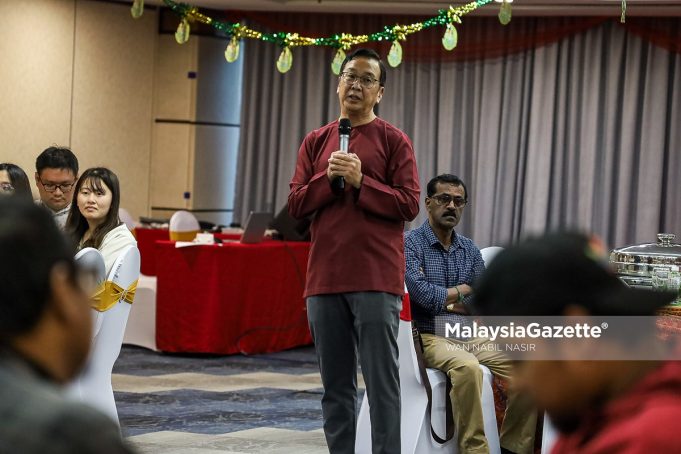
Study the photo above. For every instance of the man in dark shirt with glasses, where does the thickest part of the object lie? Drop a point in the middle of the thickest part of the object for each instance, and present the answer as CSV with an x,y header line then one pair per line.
x,y
441,267
355,274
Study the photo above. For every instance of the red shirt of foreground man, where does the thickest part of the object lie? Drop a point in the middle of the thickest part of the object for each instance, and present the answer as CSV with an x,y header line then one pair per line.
x,y
356,243
644,420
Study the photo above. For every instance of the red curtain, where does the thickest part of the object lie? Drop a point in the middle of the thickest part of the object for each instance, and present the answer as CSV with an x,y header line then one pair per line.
x,y
663,32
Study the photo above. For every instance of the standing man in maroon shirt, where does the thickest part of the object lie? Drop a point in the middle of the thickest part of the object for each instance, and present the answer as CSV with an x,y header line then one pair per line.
x,y
355,275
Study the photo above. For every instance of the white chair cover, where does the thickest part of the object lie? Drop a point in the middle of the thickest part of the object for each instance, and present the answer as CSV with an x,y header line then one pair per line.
x,y
549,436
126,219
141,328
415,420
94,383
90,261
489,253
183,226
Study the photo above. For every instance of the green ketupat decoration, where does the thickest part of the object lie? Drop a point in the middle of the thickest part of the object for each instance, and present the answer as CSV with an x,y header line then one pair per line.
x,y
395,54
505,13
337,61
285,60
182,33
137,9
232,51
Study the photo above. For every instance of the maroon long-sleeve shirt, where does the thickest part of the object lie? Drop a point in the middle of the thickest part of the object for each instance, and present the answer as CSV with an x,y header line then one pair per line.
x,y
357,236
643,420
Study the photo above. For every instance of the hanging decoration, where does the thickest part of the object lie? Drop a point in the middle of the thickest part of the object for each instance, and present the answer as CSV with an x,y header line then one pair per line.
x,y
232,51
182,33
137,9
395,54
342,42
338,61
623,17
285,60
505,12
451,37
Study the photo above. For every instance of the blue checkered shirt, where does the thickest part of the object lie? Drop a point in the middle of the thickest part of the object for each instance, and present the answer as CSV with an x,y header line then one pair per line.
x,y
431,270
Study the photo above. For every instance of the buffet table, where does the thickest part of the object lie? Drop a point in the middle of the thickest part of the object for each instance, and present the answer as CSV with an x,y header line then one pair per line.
x,y
231,297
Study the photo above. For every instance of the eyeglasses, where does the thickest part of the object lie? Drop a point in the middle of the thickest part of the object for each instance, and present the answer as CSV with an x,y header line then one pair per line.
x,y
445,199
51,187
365,81
6,187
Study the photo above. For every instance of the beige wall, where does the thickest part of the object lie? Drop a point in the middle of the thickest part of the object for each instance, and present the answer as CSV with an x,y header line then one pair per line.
x,y
79,73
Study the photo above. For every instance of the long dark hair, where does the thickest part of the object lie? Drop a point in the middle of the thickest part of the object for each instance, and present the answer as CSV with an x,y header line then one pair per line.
x,y
19,180
76,224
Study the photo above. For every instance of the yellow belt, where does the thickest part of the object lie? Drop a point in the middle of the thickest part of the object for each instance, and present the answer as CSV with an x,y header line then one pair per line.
x,y
109,293
183,236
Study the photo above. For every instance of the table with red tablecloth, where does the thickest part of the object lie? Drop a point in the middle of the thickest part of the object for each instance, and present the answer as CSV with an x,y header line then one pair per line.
x,y
146,243
231,297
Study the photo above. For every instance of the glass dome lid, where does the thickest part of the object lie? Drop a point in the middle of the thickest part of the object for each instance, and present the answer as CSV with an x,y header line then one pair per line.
x,y
641,260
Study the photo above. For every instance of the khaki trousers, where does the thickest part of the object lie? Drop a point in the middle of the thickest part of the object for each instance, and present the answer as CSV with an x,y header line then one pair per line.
x,y
460,360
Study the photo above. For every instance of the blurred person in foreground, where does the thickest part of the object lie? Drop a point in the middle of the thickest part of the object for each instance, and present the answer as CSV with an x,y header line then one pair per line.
x,y
45,328
599,406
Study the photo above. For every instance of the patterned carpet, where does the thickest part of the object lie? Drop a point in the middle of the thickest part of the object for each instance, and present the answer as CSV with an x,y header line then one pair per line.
x,y
227,404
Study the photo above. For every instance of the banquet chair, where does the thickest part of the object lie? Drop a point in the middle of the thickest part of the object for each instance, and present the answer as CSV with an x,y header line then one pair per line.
x,y
549,435
415,421
127,219
183,226
141,327
489,253
92,273
91,266
112,307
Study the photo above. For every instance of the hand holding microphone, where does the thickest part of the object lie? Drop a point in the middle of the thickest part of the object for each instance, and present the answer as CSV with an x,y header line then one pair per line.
x,y
343,165
346,165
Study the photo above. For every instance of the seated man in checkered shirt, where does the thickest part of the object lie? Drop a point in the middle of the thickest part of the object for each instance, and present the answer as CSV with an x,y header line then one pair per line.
x,y
441,266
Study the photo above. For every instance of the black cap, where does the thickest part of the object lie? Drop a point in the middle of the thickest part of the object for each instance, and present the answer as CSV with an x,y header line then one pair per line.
x,y
544,275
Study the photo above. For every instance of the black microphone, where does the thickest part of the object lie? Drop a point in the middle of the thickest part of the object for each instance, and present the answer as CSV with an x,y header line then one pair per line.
x,y
344,128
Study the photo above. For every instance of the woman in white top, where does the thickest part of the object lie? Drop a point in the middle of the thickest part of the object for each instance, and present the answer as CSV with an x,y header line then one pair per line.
x,y
93,219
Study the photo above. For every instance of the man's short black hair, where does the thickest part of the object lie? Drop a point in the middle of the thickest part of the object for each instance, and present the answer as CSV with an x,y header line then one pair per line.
x,y
370,54
57,158
446,178
30,246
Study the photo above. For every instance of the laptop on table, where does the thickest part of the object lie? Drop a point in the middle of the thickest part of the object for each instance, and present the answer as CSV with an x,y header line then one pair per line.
x,y
256,224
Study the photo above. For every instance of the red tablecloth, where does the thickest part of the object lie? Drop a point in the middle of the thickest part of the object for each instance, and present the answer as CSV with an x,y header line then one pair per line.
x,y
231,298
406,309
146,243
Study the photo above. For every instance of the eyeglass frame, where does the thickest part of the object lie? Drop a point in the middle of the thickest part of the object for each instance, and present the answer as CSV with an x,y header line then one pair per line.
x,y
61,186
437,198
358,78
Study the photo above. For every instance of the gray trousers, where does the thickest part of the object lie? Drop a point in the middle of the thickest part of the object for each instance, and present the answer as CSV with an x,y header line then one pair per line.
x,y
341,324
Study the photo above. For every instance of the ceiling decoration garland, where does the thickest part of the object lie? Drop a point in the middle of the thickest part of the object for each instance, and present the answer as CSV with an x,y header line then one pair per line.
x,y
235,32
